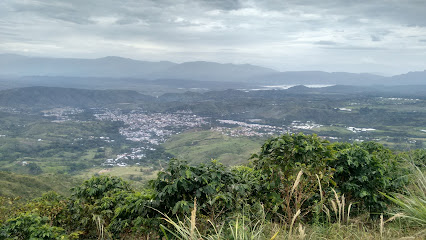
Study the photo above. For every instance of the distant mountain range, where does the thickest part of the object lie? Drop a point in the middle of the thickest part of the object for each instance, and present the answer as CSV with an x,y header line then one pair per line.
x,y
117,67
124,68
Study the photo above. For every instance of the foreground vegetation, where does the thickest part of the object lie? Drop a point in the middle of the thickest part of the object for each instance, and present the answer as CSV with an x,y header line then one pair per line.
x,y
295,187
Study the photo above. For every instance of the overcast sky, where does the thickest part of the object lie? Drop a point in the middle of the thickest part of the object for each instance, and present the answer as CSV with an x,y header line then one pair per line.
x,y
382,36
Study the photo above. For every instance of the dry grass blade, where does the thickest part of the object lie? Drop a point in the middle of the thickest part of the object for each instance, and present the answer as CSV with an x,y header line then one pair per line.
x,y
296,183
339,205
333,204
349,212
327,212
320,187
343,208
275,235
292,223
102,232
302,233
398,215
193,217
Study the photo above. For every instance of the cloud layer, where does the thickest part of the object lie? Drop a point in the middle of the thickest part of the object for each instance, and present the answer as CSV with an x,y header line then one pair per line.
x,y
387,36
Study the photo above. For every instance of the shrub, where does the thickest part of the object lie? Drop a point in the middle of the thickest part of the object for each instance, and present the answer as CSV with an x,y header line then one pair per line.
x,y
30,226
364,170
282,160
180,184
93,204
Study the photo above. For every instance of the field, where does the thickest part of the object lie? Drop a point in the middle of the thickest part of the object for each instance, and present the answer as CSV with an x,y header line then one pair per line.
x,y
203,146
28,187
137,176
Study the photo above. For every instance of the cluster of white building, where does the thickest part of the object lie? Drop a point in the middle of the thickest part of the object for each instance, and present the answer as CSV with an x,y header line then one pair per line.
x,y
358,130
147,128
297,125
62,114
121,159
247,129
153,128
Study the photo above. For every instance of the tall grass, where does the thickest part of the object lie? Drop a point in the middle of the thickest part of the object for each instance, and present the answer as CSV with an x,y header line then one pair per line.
x,y
240,228
185,230
103,234
340,225
412,205
338,205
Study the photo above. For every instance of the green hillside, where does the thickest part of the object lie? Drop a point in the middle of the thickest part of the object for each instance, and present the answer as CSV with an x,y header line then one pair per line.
x,y
28,187
202,146
55,97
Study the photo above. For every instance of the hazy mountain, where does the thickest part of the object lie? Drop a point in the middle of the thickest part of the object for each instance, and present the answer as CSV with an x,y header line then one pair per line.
x,y
117,67
210,71
318,77
72,67
411,78
117,72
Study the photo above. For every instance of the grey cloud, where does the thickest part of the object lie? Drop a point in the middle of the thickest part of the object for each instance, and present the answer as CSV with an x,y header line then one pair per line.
x,y
223,4
327,43
126,21
60,10
408,12
356,48
375,38
253,30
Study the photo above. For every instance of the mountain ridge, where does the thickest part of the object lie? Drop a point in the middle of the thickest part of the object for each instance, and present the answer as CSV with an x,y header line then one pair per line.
x,y
119,67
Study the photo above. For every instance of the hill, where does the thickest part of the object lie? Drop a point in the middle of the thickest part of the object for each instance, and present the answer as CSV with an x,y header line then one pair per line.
x,y
28,187
411,78
202,146
53,97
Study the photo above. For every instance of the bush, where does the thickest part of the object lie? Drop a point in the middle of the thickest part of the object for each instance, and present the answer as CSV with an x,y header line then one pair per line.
x,y
281,161
100,186
364,170
30,226
215,187
93,204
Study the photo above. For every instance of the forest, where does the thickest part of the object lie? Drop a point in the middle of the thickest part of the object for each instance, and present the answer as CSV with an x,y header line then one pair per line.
x,y
295,187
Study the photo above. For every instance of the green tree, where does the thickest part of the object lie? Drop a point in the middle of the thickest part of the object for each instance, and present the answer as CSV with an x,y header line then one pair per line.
x,y
30,226
93,204
364,170
281,159
218,190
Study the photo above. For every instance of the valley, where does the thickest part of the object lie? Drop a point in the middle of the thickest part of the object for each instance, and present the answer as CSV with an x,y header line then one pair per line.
x,y
96,137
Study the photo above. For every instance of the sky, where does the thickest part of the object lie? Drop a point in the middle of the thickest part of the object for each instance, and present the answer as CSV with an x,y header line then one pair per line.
x,y
376,36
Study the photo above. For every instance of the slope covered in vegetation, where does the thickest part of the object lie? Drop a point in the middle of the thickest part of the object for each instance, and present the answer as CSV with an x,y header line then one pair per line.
x,y
27,187
202,146
296,185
